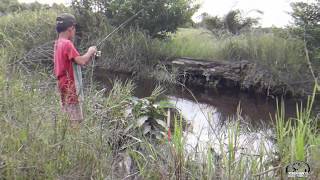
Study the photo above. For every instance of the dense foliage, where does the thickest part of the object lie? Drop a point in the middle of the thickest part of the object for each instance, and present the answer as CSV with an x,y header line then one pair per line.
x,y
233,22
11,6
158,17
307,26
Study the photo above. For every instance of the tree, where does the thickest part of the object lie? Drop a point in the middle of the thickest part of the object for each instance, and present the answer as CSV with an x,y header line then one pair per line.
x,y
8,6
211,22
306,14
158,17
11,6
234,22
307,26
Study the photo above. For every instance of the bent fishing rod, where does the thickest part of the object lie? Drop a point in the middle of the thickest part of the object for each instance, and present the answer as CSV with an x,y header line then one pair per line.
x,y
99,43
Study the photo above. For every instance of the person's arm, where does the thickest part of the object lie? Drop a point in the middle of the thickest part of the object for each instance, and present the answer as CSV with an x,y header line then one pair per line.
x,y
84,59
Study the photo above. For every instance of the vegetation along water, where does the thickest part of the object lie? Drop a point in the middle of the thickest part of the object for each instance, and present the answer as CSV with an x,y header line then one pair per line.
x,y
169,98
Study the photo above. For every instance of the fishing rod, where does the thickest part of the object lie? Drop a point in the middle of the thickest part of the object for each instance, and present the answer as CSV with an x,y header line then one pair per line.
x,y
119,27
99,43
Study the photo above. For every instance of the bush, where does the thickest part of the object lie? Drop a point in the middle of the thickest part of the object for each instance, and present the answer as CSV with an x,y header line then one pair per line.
x,y
21,32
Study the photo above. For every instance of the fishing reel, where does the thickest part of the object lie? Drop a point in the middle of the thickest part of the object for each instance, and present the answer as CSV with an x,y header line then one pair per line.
x,y
98,54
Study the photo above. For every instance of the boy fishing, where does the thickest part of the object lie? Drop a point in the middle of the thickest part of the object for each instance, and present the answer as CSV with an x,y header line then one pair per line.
x,y
67,68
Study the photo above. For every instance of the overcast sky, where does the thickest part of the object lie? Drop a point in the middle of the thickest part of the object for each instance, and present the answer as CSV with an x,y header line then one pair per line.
x,y
275,11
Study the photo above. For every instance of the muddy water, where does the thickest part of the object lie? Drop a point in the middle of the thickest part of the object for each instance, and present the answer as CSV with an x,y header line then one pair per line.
x,y
210,112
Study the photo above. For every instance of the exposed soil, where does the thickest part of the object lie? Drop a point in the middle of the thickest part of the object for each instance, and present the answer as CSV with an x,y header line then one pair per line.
x,y
242,74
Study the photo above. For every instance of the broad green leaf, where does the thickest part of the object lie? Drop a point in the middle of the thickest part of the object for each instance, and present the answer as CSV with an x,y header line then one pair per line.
x,y
146,129
162,123
158,135
141,120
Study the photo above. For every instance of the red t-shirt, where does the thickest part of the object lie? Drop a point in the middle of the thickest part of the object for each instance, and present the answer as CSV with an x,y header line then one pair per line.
x,y
67,71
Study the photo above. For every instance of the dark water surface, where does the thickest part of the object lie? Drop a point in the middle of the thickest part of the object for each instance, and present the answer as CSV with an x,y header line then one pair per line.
x,y
255,108
208,111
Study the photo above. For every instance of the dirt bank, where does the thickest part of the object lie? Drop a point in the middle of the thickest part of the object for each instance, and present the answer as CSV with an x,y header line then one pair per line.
x,y
241,74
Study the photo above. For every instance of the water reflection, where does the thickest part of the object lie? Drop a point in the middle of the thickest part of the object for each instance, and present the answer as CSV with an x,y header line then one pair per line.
x,y
208,130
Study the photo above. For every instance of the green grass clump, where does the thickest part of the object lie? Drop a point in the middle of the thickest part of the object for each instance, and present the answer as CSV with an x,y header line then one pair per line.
x,y
192,43
263,48
296,135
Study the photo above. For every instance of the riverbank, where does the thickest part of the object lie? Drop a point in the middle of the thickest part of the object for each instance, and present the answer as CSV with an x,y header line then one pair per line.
x,y
112,143
243,75
277,64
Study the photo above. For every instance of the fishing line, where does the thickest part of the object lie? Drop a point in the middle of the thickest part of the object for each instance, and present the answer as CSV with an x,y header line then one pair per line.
x,y
99,43
119,27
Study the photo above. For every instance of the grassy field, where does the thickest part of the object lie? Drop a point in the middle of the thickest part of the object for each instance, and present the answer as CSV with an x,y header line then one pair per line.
x,y
282,56
193,43
37,142
265,49
254,46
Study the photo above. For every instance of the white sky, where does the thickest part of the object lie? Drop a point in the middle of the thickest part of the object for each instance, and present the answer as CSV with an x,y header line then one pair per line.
x,y
46,1
275,11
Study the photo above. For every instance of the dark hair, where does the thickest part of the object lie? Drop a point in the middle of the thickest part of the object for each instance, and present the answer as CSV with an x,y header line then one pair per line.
x,y
64,21
61,29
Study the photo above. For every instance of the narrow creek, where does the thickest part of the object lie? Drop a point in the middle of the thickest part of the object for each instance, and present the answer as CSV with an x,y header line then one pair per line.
x,y
210,111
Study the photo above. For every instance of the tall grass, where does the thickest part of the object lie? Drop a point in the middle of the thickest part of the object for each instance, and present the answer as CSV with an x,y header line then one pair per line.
x,y
295,135
191,43
37,143
282,128
178,148
268,48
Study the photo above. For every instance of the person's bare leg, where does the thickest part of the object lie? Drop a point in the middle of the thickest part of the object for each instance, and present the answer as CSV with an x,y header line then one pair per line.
x,y
75,115
75,124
